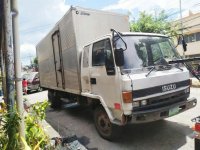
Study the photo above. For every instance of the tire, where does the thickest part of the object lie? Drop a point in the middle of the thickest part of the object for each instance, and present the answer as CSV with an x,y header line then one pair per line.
x,y
54,99
197,143
105,128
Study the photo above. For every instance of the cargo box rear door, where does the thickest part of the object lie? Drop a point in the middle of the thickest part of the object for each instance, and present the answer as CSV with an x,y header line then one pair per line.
x,y
58,60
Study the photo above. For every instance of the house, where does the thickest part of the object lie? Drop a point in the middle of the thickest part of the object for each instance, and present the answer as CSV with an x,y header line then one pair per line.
x,y
191,32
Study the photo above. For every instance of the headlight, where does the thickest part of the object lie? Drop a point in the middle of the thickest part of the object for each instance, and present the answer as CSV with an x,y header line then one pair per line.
x,y
187,90
143,102
136,104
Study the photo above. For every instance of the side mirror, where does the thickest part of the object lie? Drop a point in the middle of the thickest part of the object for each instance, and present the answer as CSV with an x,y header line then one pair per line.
x,y
119,57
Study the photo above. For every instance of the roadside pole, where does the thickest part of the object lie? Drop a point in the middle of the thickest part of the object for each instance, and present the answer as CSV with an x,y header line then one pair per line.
x,y
18,77
9,59
2,48
181,21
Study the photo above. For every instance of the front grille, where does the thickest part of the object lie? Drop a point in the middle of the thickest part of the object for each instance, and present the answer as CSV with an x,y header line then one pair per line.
x,y
163,101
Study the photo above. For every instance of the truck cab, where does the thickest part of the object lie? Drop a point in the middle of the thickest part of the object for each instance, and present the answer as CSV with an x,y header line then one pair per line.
x,y
130,75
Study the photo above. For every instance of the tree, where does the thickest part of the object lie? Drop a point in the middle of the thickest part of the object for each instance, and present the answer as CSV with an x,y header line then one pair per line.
x,y
35,61
153,24
34,64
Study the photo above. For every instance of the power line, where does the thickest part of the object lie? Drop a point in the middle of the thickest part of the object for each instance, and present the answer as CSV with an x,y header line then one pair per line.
x,y
191,26
36,28
198,4
191,19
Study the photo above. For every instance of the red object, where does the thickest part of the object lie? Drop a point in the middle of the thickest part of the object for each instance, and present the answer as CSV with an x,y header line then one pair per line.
x,y
197,127
24,83
117,106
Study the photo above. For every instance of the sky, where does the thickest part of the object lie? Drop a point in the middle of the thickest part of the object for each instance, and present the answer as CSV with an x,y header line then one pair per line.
x,y
37,17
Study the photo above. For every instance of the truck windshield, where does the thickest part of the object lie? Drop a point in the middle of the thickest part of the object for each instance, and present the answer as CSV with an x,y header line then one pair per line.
x,y
146,51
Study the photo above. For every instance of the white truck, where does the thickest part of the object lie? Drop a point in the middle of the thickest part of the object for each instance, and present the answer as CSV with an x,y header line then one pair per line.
x,y
91,58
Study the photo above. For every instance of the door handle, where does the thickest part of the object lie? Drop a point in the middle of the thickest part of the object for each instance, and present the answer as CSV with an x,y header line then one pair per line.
x,y
93,81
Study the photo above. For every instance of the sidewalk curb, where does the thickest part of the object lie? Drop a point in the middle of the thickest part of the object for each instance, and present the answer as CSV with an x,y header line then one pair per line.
x,y
67,143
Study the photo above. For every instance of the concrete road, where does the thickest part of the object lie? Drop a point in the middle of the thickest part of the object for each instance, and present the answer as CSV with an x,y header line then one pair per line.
x,y
169,134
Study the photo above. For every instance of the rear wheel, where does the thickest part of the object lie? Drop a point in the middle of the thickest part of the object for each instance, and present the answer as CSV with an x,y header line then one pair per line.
x,y
105,128
54,99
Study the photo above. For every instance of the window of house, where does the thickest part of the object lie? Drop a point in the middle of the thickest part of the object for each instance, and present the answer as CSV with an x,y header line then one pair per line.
x,y
198,36
186,38
191,38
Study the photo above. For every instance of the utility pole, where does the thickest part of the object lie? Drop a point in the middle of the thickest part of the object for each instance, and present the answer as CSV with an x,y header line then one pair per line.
x,y
181,22
9,59
2,47
18,77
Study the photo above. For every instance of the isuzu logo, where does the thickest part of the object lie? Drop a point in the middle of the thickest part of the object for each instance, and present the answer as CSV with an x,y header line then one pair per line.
x,y
168,87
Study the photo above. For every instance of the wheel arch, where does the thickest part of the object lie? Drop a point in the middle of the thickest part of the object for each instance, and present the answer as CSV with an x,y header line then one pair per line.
x,y
103,104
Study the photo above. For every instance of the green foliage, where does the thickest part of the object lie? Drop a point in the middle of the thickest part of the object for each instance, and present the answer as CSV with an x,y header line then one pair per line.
x,y
36,138
35,135
153,24
35,61
9,131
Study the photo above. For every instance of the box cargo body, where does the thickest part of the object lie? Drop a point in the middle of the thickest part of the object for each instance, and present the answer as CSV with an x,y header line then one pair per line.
x,y
59,52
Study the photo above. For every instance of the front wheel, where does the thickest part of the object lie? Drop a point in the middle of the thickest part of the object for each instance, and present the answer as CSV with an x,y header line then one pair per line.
x,y
105,128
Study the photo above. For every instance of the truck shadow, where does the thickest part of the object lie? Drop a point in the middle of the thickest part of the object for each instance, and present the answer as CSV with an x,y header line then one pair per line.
x,y
164,134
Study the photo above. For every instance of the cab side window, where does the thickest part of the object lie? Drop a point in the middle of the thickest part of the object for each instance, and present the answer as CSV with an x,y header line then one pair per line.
x,y
98,57
108,54
102,53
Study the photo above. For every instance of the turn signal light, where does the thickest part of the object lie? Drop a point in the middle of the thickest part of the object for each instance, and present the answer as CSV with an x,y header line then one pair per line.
x,y
127,96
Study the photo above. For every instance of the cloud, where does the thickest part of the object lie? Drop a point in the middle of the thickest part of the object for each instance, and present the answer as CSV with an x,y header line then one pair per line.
x,y
151,5
37,17
28,52
141,5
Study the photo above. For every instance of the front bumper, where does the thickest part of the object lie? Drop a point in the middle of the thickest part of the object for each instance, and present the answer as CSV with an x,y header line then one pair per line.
x,y
163,112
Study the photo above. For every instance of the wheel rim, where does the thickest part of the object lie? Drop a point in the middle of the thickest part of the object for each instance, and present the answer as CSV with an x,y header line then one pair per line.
x,y
104,124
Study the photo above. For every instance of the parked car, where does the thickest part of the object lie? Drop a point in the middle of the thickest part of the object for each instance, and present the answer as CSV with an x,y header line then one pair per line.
x,y
33,81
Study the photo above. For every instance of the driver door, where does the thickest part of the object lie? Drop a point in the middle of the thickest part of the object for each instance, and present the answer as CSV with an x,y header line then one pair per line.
x,y
103,77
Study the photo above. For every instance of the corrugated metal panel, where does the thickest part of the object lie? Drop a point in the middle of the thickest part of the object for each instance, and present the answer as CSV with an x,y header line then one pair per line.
x,y
46,61
69,52
92,24
78,27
